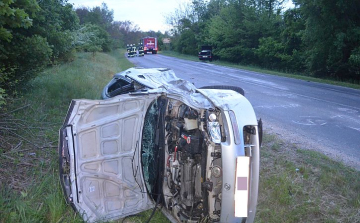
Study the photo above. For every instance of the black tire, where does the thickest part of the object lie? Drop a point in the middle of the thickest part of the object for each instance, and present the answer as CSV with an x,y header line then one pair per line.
x,y
226,87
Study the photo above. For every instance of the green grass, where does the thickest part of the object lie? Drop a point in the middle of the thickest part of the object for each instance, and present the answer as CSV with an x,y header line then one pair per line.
x,y
261,70
296,185
29,186
299,185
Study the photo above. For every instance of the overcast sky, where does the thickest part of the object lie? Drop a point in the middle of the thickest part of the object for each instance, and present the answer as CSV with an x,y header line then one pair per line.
x,y
147,14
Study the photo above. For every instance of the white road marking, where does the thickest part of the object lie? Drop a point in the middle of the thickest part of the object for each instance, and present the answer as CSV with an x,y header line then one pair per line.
x,y
278,106
310,121
357,129
348,110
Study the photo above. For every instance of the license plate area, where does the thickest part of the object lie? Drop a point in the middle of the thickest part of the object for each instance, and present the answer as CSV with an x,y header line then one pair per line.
x,y
242,186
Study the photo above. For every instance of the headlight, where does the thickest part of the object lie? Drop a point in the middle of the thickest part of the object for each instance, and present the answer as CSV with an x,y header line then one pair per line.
x,y
212,117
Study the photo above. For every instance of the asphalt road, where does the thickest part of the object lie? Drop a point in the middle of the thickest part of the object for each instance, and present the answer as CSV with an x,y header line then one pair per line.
x,y
309,115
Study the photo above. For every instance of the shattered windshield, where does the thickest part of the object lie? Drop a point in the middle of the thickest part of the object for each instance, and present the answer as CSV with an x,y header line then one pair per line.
x,y
148,150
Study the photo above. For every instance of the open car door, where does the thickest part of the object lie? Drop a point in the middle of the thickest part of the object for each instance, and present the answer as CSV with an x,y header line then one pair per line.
x,y
100,165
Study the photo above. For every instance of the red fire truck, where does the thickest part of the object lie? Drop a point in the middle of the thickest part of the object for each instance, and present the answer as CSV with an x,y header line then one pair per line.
x,y
150,44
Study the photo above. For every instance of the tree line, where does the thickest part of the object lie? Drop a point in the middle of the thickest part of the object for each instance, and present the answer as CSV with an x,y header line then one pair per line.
x,y
36,34
318,38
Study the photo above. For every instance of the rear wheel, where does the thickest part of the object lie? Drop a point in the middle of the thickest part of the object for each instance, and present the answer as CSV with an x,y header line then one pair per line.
x,y
225,87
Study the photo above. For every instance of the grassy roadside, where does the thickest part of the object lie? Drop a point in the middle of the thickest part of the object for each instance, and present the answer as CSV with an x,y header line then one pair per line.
x,y
299,185
260,70
29,185
296,185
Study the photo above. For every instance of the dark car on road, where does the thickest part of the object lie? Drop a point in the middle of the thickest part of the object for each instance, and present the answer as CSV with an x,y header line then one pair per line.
x,y
206,53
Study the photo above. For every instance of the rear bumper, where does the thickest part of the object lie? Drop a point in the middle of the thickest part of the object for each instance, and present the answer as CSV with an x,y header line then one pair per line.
x,y
207,58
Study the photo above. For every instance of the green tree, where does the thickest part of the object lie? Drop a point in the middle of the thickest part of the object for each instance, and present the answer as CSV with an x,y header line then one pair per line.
x,y
25,57
101,17
271,53
331,36
33,34
354,64
13,16
116,35
283,51
91,38
131,33
232,27
55,21
236,31
98,15
186,43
